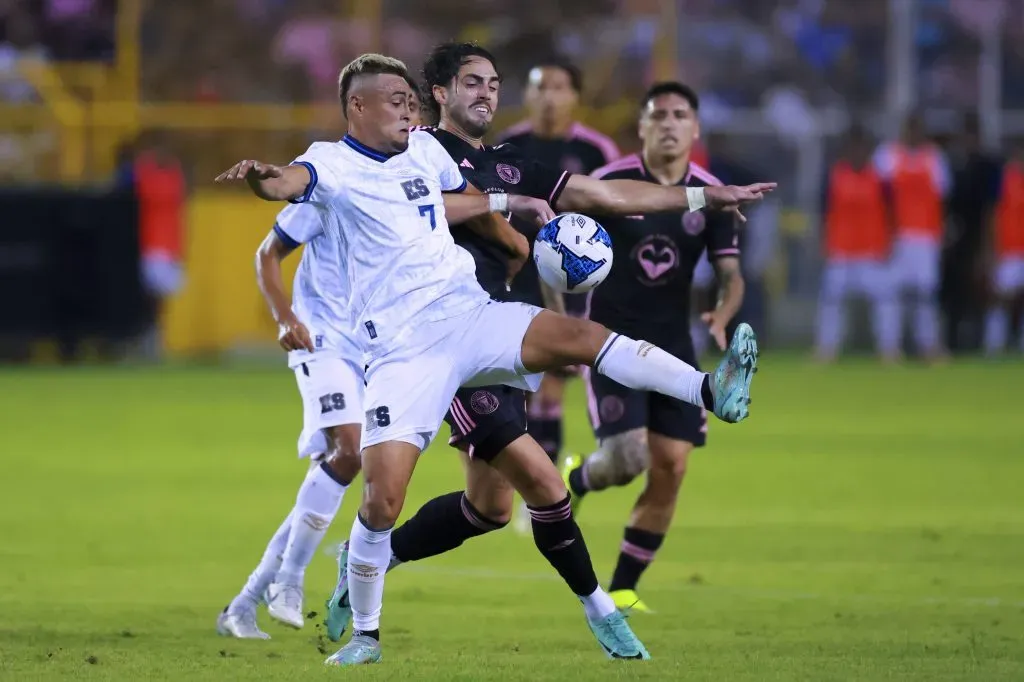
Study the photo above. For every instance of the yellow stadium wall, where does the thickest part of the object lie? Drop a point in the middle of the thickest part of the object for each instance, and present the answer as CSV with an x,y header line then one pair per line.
x,y
220,305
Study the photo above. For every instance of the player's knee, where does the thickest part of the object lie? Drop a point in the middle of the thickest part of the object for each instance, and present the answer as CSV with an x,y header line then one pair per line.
x,y
671,468
381,509
343,458
545,487
631,456
581,340
382,503
494,503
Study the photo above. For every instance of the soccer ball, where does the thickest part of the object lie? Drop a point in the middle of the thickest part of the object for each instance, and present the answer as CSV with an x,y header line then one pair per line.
x,y
573,253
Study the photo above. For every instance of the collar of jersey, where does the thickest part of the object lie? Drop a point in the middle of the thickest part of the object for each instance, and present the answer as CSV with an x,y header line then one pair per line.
x,y
368,152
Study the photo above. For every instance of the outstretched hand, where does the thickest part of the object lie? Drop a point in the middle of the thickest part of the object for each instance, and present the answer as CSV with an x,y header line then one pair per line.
x,y
251,171
731,198
536,211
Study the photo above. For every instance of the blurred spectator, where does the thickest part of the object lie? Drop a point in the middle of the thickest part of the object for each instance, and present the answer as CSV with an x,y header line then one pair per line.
x,y
20,41
971,202
161,193
857,236
23,153
1008,243
918,176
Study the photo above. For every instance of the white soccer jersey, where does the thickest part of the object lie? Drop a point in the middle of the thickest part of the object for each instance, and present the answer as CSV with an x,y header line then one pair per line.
x,y
320,293
404,269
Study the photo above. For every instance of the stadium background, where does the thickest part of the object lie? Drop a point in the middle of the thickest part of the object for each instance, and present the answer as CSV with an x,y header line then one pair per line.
x,y
866,523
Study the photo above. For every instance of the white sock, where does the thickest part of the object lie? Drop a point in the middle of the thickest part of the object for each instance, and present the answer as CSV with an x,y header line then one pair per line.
x,y
645,367
315,506
369,553
252,594
598,605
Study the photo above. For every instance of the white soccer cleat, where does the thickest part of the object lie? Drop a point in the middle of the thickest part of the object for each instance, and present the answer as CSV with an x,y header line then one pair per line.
x,y
284,604
239,624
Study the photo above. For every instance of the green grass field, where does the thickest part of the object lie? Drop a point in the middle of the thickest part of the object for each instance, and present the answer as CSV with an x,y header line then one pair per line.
x,y
864,524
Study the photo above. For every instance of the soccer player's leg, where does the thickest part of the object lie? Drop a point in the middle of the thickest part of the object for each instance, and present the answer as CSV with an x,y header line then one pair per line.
x,y
877,284
331,392
831,321
926,296
406,400
618,416
496,337
675,428
560,541
1006,287
544,409
555,340
483,420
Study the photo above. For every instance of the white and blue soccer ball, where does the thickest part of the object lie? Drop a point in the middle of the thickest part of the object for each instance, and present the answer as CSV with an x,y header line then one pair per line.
x,y
573,253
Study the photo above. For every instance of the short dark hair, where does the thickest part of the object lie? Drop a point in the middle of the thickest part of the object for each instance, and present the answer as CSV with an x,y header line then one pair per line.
x,y
442,66
445,60
573,71
671,88
369,64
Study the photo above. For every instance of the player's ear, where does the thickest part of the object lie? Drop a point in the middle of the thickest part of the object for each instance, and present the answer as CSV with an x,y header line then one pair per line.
x,y
696,129
440,94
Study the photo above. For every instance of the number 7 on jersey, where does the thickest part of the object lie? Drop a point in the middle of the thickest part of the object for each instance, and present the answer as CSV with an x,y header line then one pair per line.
x,y
428,209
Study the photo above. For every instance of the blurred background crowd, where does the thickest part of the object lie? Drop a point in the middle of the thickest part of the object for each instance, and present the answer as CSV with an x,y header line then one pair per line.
x,y
151,98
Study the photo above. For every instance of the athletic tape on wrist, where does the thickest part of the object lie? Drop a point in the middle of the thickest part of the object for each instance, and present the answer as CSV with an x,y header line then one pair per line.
x,y
695,198
498,202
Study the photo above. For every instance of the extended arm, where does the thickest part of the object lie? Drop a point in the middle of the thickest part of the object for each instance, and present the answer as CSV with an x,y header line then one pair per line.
x,y
730,288
293,335
625,197
459,208
272,183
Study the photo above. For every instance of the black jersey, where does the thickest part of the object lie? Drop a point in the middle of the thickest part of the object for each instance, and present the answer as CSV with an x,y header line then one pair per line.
x,y
583,150
502,168
647,292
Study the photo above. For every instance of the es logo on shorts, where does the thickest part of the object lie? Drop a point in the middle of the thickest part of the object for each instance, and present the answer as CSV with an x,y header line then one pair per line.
x,y
378,417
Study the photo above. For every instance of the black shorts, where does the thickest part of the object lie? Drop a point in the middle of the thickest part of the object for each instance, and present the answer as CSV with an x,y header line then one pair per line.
x,y
487,419
615,409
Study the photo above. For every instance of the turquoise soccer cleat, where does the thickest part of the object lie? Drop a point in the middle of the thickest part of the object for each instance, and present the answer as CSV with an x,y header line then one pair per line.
x,y
731,381
360,650
616,638
339,611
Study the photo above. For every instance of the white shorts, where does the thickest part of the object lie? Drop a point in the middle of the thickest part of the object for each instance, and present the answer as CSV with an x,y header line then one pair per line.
x,y
915,264
161,275
1009,275
408,391
332,395
843,278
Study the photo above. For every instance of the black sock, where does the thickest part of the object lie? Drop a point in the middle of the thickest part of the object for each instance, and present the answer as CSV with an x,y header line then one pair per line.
x,y
440,525
706,395
547,431
560,541
635,555
576,485
372,634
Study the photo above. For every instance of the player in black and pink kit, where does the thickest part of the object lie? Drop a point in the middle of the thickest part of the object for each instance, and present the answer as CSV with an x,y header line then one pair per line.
x,y
552,135
647,294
